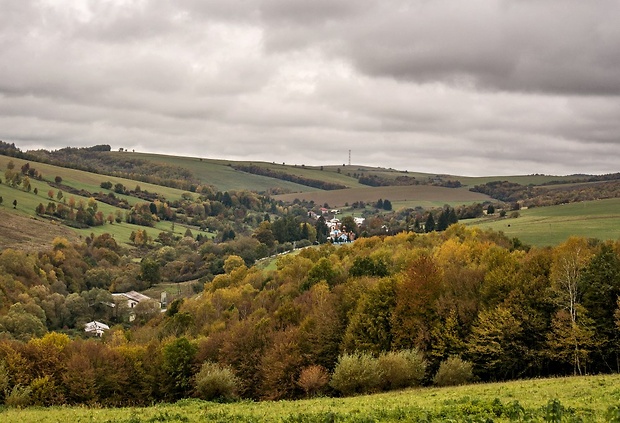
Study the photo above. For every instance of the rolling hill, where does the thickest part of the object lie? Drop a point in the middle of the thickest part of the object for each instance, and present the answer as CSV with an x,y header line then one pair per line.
x,y
539,226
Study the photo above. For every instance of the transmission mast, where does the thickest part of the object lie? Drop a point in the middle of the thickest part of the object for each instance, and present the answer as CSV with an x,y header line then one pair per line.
x,y
349,157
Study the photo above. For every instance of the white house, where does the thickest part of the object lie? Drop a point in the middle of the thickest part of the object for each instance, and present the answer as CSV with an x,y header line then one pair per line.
x,y
96,327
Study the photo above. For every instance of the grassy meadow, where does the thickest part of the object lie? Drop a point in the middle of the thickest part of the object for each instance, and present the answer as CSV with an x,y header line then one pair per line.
x,y
219,174
583,399
552,225
28,201
400,196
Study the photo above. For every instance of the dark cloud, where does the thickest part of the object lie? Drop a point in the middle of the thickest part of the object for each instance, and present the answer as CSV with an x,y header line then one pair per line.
x,y
446,86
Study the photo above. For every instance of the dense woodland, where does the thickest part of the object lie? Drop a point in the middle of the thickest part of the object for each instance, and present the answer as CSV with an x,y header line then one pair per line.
x,y
508,312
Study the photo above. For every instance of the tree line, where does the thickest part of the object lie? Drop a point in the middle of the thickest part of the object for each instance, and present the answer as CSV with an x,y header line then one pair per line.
x,y
469,295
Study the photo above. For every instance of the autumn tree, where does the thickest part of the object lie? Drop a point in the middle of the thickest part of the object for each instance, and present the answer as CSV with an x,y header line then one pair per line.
x,y
414,314
569,260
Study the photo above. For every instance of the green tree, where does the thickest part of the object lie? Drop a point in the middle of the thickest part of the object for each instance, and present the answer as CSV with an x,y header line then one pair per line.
x,y
22,324
178,360
495,345
348,225
600,285
150,271
370,324
322,230
323,270
442,221
264,235
429,226
571,342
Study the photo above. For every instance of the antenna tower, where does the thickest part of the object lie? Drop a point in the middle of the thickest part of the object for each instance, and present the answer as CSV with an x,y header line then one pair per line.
x,y
349,157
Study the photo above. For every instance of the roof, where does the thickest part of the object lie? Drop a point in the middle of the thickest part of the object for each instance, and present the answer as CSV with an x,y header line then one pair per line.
x,y
96,327
133,295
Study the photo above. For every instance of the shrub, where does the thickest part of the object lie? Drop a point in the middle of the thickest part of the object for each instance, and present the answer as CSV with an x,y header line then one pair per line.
x,y
356,373
313,380
453,371
4,380
214,382
45,392
18,397
401,369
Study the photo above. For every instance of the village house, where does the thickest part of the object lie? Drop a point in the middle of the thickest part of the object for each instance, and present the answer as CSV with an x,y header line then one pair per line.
x,y
133,298
96,328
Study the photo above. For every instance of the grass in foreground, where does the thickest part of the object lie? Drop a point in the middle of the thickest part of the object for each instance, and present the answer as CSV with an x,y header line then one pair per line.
x,y
587,399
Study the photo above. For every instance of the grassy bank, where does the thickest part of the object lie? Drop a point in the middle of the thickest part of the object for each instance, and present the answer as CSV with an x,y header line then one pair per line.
x,y
588,399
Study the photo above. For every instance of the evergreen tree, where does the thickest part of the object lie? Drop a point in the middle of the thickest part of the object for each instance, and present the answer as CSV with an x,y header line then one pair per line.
x,y
442,222
452,217
322,231
429,226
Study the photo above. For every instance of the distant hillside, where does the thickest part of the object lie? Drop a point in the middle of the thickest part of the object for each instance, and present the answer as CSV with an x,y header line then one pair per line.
x,y
414,194
29,233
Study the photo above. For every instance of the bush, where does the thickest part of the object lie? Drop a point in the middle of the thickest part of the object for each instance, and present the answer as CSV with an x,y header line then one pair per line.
x,y
453,371
356,373
313,380
18,397
44,392
214,382
401,369
4,380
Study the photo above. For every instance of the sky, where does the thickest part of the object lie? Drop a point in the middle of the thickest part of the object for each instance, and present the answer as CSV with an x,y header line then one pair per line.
x,y
476,87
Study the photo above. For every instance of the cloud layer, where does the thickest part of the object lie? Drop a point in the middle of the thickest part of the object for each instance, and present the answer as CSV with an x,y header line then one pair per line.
x,y
479,87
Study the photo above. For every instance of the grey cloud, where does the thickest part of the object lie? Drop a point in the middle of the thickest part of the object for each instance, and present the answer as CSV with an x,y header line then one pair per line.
x,y
535,46
442,86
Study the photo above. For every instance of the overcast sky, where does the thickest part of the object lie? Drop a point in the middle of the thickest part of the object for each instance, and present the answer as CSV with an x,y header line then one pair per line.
x,y
474,87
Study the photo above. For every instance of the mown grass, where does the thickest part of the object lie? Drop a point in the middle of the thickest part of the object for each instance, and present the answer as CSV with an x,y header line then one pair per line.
x,y
552,225
401,196
219,174
584,399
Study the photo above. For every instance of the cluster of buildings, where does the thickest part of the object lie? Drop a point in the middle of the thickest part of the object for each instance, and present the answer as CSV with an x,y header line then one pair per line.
x,y
336,232
129,300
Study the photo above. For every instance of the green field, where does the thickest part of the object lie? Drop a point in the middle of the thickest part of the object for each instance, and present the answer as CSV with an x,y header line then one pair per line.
x,y
218,174
28,201
400,196
577,399
552,225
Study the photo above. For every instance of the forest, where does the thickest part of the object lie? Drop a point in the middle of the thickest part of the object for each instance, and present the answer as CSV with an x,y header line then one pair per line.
x,y
422,302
